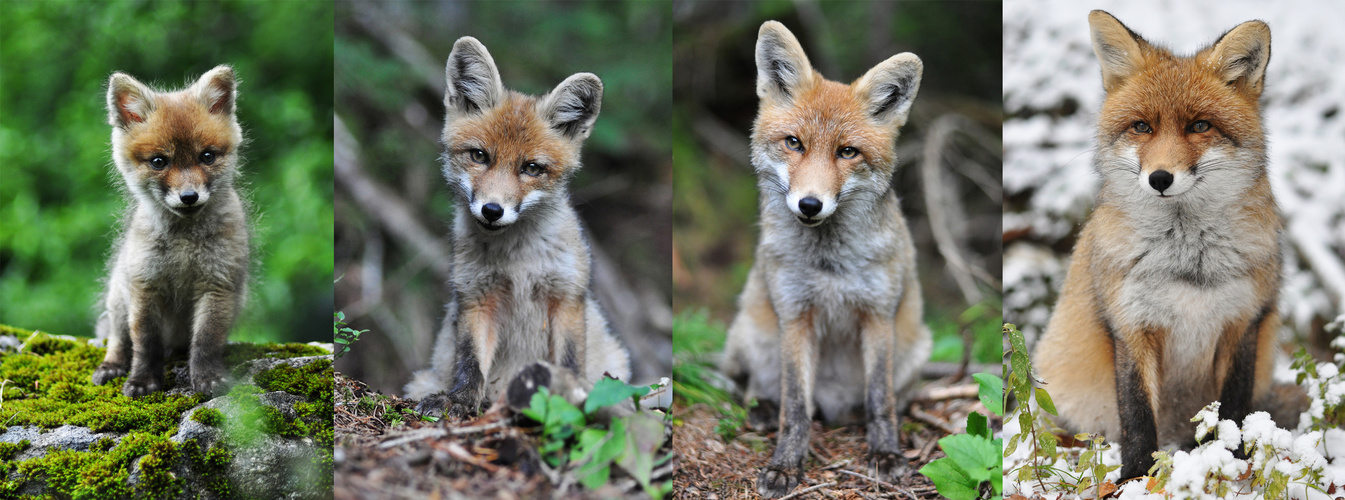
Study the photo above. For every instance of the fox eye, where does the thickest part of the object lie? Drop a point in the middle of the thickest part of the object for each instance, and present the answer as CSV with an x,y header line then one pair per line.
x,y
847,152
793,143
479,156
1142,128
1200,127
207,158
158,163
533,169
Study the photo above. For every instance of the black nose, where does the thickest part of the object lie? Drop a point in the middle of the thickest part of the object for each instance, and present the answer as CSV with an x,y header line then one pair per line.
x,y
188,197
1160,180
810,206
492,211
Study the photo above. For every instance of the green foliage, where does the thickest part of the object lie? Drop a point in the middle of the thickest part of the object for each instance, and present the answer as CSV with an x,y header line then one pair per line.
x,y
695,378
981,320
208,416
59,199
571,440
972,468
342,335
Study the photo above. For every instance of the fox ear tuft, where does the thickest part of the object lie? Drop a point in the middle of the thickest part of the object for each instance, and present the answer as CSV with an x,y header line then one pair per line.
x,y
782,66
1119,51
218,89
573,106
473,80
128,100
890,88
1241,56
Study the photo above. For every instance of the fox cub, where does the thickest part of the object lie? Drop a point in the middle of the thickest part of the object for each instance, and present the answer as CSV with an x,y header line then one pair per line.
x,y
180,268
520,260
834,280
1169,303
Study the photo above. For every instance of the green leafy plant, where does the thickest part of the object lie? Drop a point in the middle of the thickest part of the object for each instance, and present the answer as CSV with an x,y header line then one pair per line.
x,y
343,335
573,441
695,378
973,468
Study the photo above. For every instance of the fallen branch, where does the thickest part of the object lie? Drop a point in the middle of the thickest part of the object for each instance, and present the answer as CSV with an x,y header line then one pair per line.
x,y
950,392
807,490
930,419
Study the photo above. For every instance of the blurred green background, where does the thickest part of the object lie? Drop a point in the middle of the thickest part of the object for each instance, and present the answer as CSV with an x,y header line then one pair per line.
x,y
394,211
715,210
59,197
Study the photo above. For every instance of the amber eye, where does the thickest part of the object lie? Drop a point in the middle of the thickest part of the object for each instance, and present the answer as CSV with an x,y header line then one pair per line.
x,y
847,152
1200,127
533,169
1142,128
158,163
793,143
208,158
479,156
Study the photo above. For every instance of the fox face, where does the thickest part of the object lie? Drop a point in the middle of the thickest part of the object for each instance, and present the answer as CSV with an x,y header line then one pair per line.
x,y
174,149
507,153
820,144
1181,127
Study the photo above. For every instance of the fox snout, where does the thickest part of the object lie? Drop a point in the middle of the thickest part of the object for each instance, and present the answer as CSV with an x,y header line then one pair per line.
x,y
184,192
494,215
810,208
1166,181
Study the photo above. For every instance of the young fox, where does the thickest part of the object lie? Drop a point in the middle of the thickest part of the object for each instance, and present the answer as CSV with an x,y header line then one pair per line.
x,y
1169,303
520,261
180,269
834,280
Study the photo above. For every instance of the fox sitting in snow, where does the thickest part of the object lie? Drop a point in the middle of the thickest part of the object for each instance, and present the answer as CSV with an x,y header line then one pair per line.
x,y
1170,299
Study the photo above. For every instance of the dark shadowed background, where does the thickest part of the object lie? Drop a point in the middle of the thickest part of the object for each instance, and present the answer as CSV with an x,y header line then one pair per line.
x,y
59,200
393,212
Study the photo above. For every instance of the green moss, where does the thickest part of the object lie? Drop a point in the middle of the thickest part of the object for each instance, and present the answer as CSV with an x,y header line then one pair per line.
x,y
208,416
9,450
238,353
88,474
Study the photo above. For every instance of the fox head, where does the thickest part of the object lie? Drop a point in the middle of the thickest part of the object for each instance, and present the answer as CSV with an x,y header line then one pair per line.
x,y
1180,128
174,149
507,153
820,144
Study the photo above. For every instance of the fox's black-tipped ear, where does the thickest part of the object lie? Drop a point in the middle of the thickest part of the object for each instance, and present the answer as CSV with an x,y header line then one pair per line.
x,y
890,88
573,106
218,89
473,80
782,67
1242,55
1119,51
128,100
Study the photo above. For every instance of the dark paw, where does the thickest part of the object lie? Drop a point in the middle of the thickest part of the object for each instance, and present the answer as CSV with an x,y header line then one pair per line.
x,y
434,405
107,372
210,385
890,467
774,482
138,388
765,416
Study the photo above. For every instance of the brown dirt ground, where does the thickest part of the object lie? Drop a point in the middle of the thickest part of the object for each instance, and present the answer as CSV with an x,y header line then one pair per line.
x,y
483,457
711,468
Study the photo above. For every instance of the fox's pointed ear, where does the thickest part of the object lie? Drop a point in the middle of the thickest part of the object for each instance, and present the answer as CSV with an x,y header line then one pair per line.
x,y
1119,51
572,106
1242,55
890,88
782,67
473,80
218,89
128,100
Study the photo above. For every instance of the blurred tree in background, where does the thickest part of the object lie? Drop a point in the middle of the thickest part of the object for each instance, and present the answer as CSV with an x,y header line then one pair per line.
x,y
715,209
394,211
59,197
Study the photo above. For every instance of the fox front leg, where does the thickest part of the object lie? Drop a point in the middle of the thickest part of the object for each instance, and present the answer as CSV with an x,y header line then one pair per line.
x,y
878,336
1136,397
798,366
146,334
566,329
212,316
474,351
113,327
1235,397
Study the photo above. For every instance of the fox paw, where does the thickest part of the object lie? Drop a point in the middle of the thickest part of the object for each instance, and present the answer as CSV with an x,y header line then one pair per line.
x,y
890,467
434,405
775,482
210,385
138,388
107,372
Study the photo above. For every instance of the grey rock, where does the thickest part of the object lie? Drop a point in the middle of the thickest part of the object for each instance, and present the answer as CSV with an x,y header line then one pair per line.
x,y
65,437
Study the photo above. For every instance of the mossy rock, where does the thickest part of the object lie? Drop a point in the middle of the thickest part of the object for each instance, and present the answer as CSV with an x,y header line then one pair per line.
x,y
62,437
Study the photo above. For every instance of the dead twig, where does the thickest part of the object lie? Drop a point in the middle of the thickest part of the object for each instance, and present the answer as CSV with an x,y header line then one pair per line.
x,y
925,417
807,490
880,482
950,392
